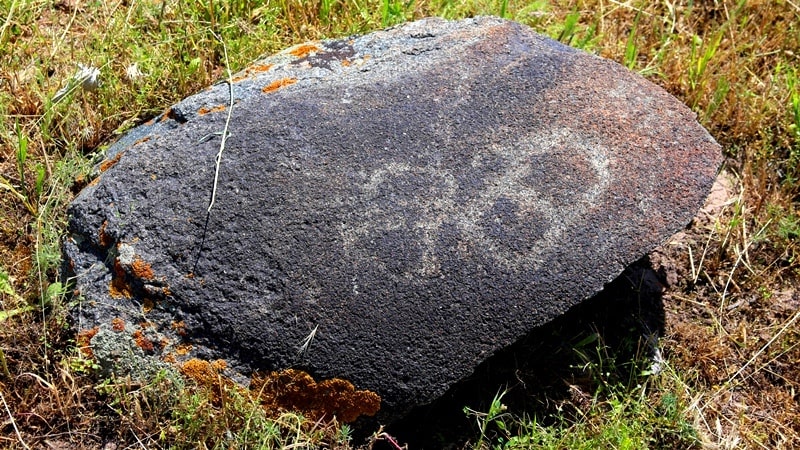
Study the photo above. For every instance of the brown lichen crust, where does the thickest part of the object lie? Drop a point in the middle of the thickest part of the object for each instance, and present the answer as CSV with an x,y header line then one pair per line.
x,y
295,390
277,84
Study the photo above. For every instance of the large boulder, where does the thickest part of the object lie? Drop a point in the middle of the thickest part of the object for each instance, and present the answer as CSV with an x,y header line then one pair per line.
x,y
390,209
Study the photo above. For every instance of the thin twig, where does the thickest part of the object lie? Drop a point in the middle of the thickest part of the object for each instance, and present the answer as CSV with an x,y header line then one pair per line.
x,y
13,422
218,159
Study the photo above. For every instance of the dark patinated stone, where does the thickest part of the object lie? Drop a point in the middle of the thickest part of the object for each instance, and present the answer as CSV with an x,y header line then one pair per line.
x,y
391,209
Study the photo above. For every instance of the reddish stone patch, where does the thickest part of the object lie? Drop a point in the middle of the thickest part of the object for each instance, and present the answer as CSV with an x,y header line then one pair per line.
x,y
166,115
179,328
142,140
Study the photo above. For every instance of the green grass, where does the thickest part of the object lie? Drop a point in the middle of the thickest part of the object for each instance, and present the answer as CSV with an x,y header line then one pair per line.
x,y
732,335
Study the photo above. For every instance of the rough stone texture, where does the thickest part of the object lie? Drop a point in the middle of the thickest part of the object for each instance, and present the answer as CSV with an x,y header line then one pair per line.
x,y
391,209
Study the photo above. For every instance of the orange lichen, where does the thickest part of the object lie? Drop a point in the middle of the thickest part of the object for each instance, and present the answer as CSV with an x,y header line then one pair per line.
x,y
142,342
296,390
204,110
346,62
141,141
169,357
166,115
147,305
84,339
119,287
109,163
79,183
117,324
166,291
207,375
179,328
303,50
257,68
277,84
183,349
141,269
102,237
287,390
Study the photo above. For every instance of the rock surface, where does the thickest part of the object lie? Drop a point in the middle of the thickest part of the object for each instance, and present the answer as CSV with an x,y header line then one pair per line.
x,y
391,209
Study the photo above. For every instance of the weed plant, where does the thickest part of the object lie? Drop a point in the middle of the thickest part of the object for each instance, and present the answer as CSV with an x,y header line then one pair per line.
x,y
75,74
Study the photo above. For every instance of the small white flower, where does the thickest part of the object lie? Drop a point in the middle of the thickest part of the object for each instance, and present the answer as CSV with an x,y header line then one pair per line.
x,y
133,73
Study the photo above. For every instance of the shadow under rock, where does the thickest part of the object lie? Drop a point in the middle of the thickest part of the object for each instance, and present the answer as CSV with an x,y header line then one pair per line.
x,y
546,371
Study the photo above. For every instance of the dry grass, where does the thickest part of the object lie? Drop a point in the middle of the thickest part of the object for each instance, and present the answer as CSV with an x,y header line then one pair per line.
x,y
733,340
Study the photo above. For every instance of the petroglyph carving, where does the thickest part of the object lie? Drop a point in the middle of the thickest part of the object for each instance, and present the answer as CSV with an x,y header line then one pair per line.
x,y
512,220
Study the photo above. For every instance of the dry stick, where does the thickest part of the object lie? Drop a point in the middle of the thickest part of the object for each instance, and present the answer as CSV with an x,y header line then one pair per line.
x,y
218,159
13,422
